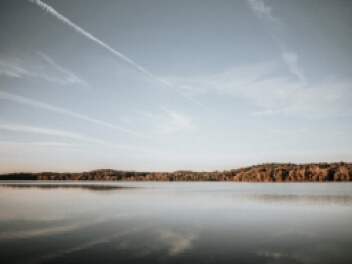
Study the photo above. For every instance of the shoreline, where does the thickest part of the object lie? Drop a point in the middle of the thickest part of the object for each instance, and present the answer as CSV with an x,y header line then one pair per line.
x,y
269,172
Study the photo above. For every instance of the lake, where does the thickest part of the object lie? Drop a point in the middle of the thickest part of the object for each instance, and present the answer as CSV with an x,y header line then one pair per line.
x,y
175,222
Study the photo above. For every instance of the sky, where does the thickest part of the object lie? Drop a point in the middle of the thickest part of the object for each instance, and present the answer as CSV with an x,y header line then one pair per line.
x,y
154,85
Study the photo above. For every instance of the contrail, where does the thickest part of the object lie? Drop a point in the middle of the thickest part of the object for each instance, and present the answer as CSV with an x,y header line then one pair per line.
x,y
62,133
78,29
52,132
71,77
27,101
40,130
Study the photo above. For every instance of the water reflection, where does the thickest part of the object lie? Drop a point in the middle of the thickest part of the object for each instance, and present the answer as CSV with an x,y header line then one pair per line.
x,y
171,242
182,223
81,247
315,254
315,199
93,187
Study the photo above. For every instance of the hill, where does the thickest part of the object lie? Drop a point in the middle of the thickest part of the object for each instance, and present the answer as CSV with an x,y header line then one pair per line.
x,y
269,172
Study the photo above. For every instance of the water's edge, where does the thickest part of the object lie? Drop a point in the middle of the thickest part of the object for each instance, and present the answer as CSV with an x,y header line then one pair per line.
x,y
273,172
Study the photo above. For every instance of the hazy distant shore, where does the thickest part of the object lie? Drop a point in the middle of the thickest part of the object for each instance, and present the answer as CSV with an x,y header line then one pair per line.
x,y
270,172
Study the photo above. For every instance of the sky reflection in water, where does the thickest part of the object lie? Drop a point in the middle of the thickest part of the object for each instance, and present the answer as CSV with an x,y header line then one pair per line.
x,y
175,222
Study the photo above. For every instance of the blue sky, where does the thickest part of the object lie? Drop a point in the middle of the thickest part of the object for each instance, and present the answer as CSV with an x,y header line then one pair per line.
x,y
168,85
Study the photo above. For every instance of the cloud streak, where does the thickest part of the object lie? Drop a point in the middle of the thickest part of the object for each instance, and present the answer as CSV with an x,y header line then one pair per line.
x,y
276,30
262,11
70,77
6,146
60,133
16,68
47,8
291,60
168,122
40,130
49,132
273,94
60,110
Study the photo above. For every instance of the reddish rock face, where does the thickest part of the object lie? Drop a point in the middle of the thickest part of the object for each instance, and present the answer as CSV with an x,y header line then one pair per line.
x,y
273,172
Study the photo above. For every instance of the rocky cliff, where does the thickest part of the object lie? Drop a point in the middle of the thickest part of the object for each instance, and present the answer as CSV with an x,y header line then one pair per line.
x,y
271,172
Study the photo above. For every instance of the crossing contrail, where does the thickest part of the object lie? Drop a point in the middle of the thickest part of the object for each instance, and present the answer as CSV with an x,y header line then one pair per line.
x,y
78,29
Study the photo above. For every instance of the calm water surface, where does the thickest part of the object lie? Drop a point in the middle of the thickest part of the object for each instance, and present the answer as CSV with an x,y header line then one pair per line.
x,y
90,222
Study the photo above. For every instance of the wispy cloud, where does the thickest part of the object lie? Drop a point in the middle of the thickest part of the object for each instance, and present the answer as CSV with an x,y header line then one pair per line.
x,y
49,132
47,70
7,146
69,76
231,81
65,134
167,121
81,31
60,110
287,132
53,144
40,130
263,11
11,70
261,86
291,60
276,28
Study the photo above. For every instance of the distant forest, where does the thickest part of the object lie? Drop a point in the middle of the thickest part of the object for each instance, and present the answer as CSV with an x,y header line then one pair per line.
x,y
269,172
